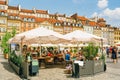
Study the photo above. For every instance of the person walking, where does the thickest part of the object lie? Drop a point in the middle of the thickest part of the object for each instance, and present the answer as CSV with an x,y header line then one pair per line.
x,y
114,54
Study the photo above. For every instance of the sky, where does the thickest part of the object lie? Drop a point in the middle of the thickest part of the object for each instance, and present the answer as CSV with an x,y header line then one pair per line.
x,y
107,9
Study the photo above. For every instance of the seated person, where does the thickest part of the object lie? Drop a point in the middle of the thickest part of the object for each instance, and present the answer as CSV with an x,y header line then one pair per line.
x,y
49,54
60,57
67,56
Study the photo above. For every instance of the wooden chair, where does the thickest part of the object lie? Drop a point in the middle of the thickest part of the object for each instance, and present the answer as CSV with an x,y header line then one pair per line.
x,y
60,59
49,60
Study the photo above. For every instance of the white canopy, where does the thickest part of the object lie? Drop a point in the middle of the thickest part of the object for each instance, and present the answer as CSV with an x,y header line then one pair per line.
x,y
39,35
118,43
81,36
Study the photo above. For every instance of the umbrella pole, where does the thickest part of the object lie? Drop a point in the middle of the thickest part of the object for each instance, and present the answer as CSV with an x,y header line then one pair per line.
x,y
77,46
102,45
40,50
21,46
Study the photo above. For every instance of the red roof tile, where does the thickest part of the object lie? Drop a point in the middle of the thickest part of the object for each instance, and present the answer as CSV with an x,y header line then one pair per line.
x,y
82,18
46,19
27,11
101,24
13,14
3,11
92,23
101,20
42,11
3,2
54,21
13,7
25,16
40,19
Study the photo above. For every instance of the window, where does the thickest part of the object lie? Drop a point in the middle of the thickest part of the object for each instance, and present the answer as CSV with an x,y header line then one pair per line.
x,y
65,23
29,19
76,25
68,24
29,25
73,24
34,25
2,29
16,17
79,25
25,19
3,21
33,20
24,24
2,13
2,7
57,24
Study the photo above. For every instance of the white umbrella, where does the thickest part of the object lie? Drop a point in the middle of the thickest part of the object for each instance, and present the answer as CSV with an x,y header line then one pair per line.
x,y
118,43
39,35
81,36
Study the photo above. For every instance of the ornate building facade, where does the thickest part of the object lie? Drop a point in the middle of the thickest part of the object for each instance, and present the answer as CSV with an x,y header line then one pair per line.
x,y
25,19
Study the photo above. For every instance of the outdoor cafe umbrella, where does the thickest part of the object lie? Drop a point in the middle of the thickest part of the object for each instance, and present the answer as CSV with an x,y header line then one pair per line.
x,y
81,36
118,43
39,35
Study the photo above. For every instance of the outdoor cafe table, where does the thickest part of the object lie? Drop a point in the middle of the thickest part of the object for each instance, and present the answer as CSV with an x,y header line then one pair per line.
x,y
41,62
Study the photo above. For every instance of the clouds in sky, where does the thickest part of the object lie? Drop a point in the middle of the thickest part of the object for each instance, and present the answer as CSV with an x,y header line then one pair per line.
x,y
102,3
112,16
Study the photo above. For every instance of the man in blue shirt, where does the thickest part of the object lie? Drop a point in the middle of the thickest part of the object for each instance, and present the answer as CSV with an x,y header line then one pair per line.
x,y
67,56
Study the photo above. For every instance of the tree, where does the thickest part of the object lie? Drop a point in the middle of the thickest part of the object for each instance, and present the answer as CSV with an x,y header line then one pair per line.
x,y
5,39
13,31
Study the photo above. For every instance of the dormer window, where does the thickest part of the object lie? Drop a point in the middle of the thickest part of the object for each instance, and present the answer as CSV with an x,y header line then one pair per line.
x,y
64,23
76,25
68,24
2,13
57,24
16,17
33,20
29,19
25,19
73,24
11,17
79,24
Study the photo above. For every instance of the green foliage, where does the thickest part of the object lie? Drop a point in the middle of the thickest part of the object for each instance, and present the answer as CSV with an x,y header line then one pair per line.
x,y
90,52
16,59
74,50
13,32
4,44
5,39
6,51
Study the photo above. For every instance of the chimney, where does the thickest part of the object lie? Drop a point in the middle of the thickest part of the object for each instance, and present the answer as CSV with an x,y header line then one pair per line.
x,y
64,15
6,2
19,7
48,11
34,10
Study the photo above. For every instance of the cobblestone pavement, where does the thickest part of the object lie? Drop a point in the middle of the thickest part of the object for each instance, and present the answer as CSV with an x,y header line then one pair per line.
x,y
112,73
6,72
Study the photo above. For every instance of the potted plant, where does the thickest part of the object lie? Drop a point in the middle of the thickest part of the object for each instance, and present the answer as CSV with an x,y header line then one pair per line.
x,y
90,51
6,51
92,65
